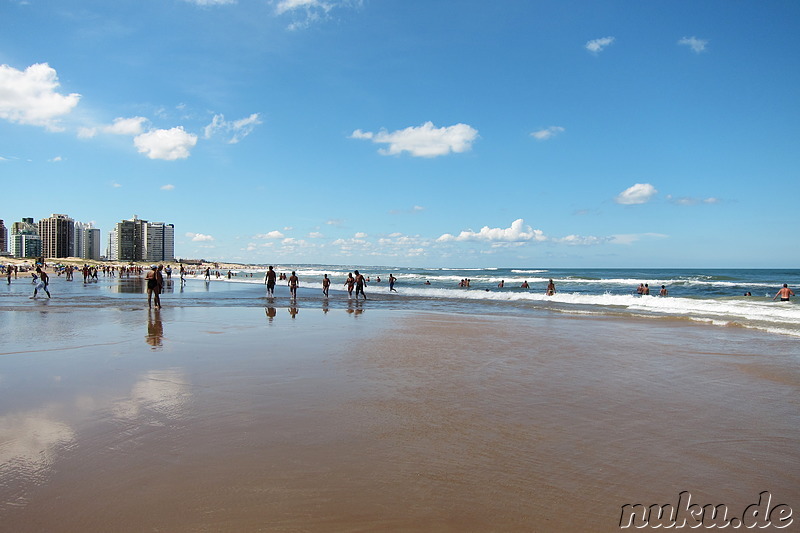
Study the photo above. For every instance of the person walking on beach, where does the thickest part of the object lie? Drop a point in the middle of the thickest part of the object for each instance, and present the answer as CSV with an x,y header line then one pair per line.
x,y
784,293
208,274
183,274
360,282
152,287
551,288
326,283
392,279
159,284
293,282
350,282
269,279
42,283
8,274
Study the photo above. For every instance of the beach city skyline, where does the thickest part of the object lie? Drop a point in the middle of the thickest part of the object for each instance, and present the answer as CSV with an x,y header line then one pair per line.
x,y
581,134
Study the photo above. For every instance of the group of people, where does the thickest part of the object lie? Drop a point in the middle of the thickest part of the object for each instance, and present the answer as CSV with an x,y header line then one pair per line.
x,y
355,282
644,290
550,290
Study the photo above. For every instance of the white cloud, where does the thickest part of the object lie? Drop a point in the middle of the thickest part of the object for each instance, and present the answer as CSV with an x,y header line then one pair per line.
x,y
697,45
360,235
582,240
688,200
275,234
169,144
56,159
517,232
547,133
291,5
598,45
315,235
116,185
126,126
307,12
335,222
31,97
199,237
167,187
638,193
423,141
86,133
630,238
238,129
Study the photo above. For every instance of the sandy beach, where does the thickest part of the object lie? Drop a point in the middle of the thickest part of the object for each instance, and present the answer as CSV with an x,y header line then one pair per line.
x,y
283,418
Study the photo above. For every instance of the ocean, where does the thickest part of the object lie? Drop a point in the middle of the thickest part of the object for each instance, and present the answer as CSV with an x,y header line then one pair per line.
x,y
713,296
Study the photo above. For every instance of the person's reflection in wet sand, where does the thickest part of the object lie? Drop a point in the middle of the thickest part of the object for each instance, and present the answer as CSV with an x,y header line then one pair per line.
x,y
325,308
354,309
293,311
270,314
155,329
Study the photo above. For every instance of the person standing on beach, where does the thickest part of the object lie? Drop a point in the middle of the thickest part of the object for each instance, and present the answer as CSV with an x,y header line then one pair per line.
x,y
160,284
360,282
392,279
350,282
208,274
551,288
326,283
42,283
784,293
293,282
183,274
152,286
8,274
269,279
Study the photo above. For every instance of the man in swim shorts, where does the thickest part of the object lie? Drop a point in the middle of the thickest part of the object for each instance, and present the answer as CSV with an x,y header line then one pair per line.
x,y
41,283
360,282
269,279
784,293
153,287
293,282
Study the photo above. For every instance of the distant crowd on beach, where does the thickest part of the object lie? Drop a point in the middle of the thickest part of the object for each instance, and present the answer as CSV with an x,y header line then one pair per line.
x,y
156,275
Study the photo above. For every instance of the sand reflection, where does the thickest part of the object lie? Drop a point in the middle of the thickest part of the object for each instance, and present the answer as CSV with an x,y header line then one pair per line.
x,y
155,328
158,392
29,444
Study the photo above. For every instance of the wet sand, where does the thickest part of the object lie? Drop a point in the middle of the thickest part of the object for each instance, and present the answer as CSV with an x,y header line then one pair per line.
x,y
227,419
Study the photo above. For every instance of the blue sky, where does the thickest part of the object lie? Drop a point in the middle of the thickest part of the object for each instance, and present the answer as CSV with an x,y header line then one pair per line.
x,y
421,133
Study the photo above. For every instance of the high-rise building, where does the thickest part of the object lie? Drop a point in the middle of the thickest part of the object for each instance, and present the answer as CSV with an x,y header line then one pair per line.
x,y
159,242
86,241
92,244
130,239
25,240
139,240
112,253
58,234
3,238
